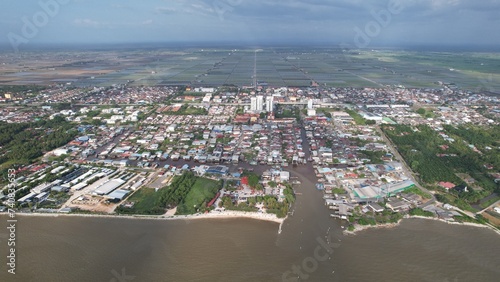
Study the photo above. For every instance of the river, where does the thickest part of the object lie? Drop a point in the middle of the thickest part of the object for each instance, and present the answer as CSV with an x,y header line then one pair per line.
x,y
117,249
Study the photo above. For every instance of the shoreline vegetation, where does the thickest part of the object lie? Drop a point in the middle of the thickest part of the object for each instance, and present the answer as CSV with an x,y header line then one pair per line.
x,y
359,228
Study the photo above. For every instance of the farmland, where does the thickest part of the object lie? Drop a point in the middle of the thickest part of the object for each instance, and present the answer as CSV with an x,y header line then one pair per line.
x,y
291,67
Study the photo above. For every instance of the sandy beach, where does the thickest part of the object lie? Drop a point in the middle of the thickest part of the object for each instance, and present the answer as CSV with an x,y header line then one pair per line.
x,y
213,215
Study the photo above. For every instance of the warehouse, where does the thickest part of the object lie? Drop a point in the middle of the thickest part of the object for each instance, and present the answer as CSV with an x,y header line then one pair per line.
x,y
109,186
117,195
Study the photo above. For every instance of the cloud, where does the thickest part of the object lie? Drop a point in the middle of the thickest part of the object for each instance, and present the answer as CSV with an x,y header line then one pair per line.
x,y
87,23
432,21
165,10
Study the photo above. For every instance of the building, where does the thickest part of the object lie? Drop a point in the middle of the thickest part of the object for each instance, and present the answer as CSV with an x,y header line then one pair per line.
x,y
270,104
310,104
253,104
108,187
219,170
117,195
398,205
284,176
375,207
260,103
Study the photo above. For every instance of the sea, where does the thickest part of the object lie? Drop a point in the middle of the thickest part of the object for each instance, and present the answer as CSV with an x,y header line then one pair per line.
x,y
310,247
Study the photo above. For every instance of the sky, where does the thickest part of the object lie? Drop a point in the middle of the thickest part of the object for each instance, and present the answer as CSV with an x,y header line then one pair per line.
x,y
350,23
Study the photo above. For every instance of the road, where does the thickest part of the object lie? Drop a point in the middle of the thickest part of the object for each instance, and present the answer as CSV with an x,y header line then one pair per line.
x,y
488,207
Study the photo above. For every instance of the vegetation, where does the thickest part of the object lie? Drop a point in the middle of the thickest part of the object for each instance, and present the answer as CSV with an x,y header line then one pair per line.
x,y
189,110
421,212
373,218
287,112
416,190
489,202
427,113
435,159
358,118
339,191
199,196
22,143
253,178
270,203
478,220
16,89
374,156
186,192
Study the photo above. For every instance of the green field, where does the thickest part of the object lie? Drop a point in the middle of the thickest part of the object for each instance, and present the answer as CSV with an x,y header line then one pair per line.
x,y
277,67
146,201
188,193
201,193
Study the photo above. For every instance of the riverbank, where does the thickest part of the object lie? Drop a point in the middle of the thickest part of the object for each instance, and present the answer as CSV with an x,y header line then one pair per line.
x,y
213,215
359,228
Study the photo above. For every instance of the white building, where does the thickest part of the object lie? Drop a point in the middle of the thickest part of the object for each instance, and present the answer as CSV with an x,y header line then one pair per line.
x,y
260,103
310,104
253,104
269,104
284,176
60,152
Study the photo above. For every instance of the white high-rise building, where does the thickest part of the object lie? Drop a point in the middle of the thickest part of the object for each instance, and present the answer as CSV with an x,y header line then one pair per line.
x,y
260,103
269,104
310,104
253,104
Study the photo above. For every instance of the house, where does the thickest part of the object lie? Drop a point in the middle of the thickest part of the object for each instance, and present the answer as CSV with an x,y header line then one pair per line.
x,y
375,207
284,176
461,188
398,205
219,170
446,185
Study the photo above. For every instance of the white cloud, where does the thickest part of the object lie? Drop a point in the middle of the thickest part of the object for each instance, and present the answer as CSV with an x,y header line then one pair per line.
x,y
87,23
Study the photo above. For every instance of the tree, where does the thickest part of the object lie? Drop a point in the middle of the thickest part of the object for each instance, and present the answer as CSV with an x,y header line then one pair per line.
x,y
421,111
272,184
414,165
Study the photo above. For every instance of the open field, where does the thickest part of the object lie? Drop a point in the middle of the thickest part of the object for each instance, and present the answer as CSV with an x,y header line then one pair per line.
x,y
191,193
275,67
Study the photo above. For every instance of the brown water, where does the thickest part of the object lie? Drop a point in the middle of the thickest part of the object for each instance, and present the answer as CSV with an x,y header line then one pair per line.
x,y
114,249
89,249
99,249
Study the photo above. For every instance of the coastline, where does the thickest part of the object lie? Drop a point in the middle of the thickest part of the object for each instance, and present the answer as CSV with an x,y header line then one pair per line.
x,y
213,215
359,228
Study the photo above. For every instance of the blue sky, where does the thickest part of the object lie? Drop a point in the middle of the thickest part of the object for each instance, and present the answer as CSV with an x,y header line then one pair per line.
x,y
361,23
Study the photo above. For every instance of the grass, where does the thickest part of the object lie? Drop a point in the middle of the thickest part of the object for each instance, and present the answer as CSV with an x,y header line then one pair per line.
x,y
419,192
357,117
200,194
146,201
339,191
421,212
489,202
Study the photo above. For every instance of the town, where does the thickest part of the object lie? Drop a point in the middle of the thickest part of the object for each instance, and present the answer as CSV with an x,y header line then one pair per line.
x,y
131,150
